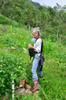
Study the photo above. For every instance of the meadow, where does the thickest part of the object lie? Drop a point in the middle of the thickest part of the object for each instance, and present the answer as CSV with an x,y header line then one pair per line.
x,y
15,64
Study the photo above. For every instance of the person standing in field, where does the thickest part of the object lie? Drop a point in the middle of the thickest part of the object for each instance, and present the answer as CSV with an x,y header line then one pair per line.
x,y
37,58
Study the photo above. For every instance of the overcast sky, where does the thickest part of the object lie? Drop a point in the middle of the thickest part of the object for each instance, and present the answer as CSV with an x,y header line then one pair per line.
x,y
51,2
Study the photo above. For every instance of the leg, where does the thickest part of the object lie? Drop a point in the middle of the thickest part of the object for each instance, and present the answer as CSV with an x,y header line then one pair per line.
x,y
34,69
34,74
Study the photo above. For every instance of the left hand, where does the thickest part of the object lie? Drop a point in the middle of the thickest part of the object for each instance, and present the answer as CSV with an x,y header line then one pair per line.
x,y
30,46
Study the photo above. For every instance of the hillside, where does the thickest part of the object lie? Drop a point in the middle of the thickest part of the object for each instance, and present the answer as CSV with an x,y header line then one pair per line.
x,y
5,20
16,22
51,20
14,60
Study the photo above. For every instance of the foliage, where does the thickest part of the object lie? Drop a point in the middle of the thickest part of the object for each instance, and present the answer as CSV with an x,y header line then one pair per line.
x,y
15,64
25,12
12,59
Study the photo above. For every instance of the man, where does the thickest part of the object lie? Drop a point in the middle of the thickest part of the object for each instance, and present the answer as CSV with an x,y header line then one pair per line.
x,y
38,51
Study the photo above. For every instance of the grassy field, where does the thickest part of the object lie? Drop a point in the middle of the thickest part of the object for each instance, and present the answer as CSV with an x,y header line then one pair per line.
x,y
13,47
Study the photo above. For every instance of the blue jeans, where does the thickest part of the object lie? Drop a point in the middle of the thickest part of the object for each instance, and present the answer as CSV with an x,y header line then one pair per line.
x,y
34,68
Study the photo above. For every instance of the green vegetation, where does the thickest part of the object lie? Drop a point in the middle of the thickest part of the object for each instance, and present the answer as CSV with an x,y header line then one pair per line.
x,y
51,20
16,22
15,61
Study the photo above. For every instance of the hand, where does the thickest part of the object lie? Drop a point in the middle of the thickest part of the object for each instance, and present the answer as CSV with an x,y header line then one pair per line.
x,y
30,46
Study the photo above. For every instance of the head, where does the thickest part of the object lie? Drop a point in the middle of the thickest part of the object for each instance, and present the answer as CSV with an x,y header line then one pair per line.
x,y
36,33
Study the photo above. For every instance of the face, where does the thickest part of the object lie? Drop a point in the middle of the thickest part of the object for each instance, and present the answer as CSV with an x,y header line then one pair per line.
x,y
35,35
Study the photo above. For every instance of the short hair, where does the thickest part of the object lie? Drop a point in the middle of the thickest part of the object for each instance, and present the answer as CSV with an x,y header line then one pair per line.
x,y
36,29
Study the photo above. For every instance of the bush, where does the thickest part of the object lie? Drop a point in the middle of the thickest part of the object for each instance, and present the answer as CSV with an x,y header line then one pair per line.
x,y
11,67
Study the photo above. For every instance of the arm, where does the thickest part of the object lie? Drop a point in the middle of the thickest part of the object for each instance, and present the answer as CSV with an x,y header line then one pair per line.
x,y
38,46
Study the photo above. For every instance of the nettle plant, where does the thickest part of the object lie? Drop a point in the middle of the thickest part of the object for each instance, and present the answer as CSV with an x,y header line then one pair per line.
x,y
11,68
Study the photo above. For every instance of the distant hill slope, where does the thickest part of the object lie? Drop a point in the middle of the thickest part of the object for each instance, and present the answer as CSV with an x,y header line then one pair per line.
x,y
6,20
25,12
